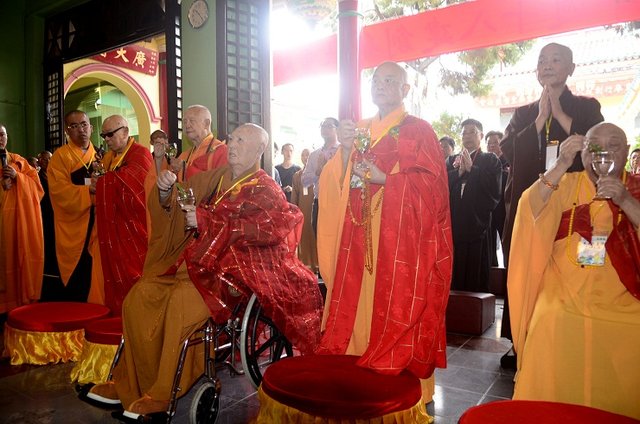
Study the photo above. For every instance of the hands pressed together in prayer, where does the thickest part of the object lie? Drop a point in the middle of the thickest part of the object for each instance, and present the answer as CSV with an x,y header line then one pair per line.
x,y
463,162
364,169
549,106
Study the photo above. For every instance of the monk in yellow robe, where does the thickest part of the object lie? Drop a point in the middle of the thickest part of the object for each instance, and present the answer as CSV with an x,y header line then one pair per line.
x,y
384,239
77,248
21,238
575,301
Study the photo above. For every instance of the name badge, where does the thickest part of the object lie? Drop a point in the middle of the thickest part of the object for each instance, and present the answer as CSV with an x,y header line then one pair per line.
x,y
87,181
305,191
552,153
592,254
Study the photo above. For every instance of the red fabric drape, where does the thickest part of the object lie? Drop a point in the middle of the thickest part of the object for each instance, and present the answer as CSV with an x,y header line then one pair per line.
x,y
465,26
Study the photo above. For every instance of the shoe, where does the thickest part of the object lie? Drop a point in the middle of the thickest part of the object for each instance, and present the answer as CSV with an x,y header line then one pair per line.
x,y
146,405
509,360
105,393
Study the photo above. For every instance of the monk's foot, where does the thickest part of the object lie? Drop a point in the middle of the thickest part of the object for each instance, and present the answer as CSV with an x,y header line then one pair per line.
x,y
146,405
104,393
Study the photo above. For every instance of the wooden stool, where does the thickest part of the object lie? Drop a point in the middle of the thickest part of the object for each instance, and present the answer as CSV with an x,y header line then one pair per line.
x,y
536,412
333,389
102,338
470,312
50,332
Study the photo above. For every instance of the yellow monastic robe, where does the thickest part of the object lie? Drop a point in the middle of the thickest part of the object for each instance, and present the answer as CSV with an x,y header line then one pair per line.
x,y
576,329
71,205
21,237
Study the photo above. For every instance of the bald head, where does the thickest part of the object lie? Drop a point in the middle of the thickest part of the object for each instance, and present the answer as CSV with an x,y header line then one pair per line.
x,y
246,145
555,64
115,131
608,137
197,123
389,87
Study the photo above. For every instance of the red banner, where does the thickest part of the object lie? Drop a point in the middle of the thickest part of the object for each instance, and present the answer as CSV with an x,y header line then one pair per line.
x,y
464,26
133,57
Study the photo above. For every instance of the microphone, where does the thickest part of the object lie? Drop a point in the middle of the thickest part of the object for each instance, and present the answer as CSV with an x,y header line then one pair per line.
x,y
3,157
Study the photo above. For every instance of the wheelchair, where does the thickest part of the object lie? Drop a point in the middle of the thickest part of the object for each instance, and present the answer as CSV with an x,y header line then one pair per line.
x,y
247,334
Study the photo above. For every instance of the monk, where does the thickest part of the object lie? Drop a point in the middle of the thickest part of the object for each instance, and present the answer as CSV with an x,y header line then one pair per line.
x,y
121,210
207,151
246,241
77,248
384,238
576,301
21,238
303,198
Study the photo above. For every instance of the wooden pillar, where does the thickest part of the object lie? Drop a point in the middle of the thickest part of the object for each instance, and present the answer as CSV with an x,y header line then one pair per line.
x,y
348,66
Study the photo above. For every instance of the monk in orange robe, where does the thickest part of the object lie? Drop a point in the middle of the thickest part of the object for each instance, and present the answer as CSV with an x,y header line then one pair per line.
x,y
207,151
77,248
247,237
575,303
121,213
384,238
21,239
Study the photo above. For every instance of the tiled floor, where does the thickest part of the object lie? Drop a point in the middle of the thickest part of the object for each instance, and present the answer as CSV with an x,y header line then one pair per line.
x,y
44,395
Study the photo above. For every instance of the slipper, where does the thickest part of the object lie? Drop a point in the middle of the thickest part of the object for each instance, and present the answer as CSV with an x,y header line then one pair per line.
x,y
102,395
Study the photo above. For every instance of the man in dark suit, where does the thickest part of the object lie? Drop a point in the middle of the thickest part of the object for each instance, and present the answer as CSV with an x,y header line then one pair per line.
x,y
474,192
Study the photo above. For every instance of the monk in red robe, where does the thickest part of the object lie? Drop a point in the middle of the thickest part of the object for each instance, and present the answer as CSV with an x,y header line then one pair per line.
x,y
246,241
21,239
384,238
121,210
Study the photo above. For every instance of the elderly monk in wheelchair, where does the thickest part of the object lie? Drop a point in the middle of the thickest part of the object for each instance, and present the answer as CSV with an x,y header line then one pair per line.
x,y
241,238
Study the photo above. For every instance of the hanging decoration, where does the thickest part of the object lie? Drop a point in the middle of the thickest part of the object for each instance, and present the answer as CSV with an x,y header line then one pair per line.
x,y
312,11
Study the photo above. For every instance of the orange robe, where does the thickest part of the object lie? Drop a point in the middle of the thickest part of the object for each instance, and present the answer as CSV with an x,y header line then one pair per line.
x,y
210,154
307,251
73,208
21,238
368,314
576,329
121,217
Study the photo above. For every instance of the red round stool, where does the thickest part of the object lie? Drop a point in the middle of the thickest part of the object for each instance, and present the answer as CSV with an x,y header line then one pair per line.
x,y
333,389
536,412
102,338
50,332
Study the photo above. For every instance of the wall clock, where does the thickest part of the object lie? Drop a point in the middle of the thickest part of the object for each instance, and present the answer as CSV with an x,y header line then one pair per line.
x,y
198,13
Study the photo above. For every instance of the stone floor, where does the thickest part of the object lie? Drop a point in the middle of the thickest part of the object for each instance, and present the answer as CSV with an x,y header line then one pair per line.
x,y
44,394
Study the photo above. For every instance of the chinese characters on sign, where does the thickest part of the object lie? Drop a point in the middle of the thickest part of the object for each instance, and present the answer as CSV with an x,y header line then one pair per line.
x,y
133,57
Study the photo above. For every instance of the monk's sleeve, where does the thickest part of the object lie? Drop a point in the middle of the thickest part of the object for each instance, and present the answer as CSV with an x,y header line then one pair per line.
x,y
520,138
71,200
535,229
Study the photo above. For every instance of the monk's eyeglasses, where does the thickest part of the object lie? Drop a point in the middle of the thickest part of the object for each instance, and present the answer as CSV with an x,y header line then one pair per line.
x,y
110,133
75,126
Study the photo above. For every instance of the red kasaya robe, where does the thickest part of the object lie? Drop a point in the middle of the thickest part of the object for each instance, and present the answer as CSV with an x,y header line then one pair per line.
x,y
413,264
248,235
210,154
122,221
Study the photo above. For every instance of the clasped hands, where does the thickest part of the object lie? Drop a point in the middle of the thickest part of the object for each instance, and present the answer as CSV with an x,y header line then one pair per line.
x,y
463,162
364,169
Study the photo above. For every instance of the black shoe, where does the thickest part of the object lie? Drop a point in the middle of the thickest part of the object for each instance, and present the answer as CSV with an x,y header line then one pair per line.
x,y
509,360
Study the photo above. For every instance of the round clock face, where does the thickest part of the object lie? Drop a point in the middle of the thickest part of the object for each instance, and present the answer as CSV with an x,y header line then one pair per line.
x,y
198,13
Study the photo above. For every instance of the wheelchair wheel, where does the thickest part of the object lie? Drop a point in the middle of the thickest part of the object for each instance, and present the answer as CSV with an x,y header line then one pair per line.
x,y
261,342
205,404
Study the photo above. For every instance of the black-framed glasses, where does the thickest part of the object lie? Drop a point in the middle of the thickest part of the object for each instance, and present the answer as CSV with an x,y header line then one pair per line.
x,y
110,133
76,126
